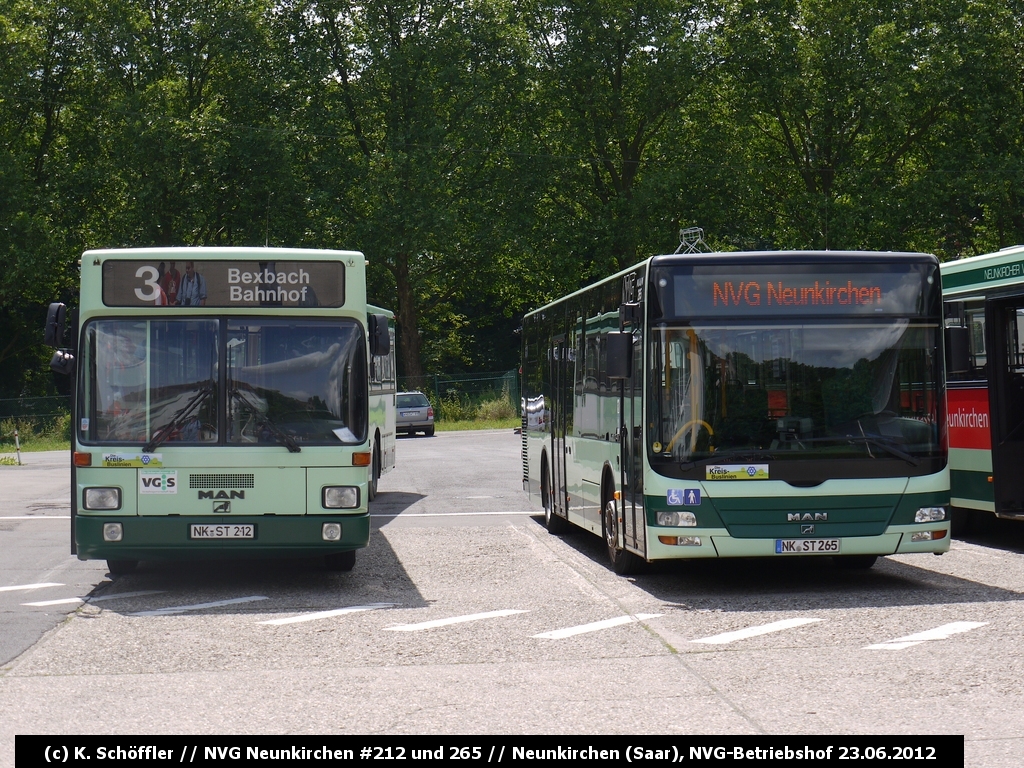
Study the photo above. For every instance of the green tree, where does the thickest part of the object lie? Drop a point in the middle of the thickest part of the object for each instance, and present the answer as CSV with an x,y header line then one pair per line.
x,y
409,106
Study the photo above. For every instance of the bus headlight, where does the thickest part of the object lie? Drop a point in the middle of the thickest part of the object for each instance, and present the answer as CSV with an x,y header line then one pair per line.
x,y
340,497
102,498
930,515
113,531
677,519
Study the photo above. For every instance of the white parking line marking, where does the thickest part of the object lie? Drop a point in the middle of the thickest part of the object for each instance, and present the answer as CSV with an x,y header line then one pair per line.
x,y
558,634
36,517
29,586
939,633
453,620
764,629
513,513
199,606
329,614
66,600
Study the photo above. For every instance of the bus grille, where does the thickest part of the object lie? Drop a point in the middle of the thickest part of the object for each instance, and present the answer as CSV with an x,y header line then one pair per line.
x,y
221,481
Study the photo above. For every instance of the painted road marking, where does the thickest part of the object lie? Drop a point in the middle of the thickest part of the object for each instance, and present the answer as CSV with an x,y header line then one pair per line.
x,y
452,620
199,606
118,596
36,517
764,629
329,614
513,513
558,634
939,633
30,586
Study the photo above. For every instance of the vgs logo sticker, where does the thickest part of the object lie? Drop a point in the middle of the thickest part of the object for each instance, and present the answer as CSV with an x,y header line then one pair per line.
x,y
158,481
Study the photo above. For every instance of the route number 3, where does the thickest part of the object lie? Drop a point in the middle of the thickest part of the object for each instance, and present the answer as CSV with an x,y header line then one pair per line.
x,y
150,276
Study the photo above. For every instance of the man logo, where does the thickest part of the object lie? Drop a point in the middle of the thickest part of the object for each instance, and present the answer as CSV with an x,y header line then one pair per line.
x,y
806,530
221,495
222,506
797,517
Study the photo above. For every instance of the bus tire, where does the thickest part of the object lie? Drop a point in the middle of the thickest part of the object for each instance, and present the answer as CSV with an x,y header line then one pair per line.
x,y
122,567
557,526
622,561
340,561
371,486
854,562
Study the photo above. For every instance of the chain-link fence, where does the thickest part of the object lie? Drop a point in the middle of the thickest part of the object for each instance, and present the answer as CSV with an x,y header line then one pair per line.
x,y
34,416
467,396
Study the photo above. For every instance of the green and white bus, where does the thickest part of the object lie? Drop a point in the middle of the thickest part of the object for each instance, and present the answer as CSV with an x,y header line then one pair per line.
x,y
984,317
227,402
771,404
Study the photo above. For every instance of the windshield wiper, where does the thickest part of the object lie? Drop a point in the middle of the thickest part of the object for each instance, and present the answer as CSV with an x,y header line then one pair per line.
x,y
180,417
263,421
869,441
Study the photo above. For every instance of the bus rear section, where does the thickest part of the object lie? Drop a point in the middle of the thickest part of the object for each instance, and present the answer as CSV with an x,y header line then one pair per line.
x,y
984,324
773,405
235,427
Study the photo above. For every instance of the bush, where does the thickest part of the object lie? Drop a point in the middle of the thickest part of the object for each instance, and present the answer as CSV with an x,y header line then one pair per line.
x,y
36,433
453,408
497,408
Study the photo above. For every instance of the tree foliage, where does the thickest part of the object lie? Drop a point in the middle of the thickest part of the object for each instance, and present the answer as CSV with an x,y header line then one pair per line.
x,y
490,155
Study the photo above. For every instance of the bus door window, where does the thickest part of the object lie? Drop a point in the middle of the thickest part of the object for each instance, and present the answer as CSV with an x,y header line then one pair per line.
x,y
1006,390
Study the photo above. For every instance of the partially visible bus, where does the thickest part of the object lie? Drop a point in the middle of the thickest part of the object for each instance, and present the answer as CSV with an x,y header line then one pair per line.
x,y
984,318
771,404
227,402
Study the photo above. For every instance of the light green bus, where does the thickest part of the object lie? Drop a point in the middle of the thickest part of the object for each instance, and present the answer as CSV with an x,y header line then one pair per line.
x,y
770,404
228,402
984,309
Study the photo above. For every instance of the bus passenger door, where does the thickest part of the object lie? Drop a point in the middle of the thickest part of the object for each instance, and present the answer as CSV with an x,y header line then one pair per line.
x,y
1005,318
560,382
631,437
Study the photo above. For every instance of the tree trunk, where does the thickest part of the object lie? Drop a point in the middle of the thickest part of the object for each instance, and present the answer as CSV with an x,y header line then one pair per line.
x,y
407,317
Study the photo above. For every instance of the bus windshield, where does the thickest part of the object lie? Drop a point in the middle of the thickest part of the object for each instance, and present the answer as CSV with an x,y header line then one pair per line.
x,y
154,381
743,392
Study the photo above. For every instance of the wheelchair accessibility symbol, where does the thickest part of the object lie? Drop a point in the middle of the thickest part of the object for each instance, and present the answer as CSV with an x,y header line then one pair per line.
x,y
678,497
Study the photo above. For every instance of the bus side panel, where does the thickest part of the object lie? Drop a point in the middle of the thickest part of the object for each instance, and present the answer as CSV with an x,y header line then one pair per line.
x,y
970,448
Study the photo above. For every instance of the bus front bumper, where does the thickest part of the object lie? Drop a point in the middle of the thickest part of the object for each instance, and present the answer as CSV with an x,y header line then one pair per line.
x,y
156,538
716,542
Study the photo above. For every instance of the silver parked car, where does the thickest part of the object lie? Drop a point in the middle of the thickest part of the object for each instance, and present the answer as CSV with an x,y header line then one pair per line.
x,y
414,414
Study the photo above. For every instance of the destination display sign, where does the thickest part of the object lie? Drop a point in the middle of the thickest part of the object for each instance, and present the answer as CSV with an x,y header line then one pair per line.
x,y
729,290
138,283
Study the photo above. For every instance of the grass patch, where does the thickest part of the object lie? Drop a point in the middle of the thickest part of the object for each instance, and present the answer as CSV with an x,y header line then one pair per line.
x,y
467,424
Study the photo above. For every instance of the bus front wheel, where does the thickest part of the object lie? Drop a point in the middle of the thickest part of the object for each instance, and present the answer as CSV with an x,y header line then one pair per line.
x,y
340,561
623,561
122,567
855,562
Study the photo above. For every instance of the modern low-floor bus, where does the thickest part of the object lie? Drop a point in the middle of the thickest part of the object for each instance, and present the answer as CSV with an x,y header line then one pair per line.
x,y
984,317
769,404
227,402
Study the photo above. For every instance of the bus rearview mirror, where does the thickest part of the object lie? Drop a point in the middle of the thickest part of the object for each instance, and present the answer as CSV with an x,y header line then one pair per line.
x,y
53,334
380,339
619,348
958,356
